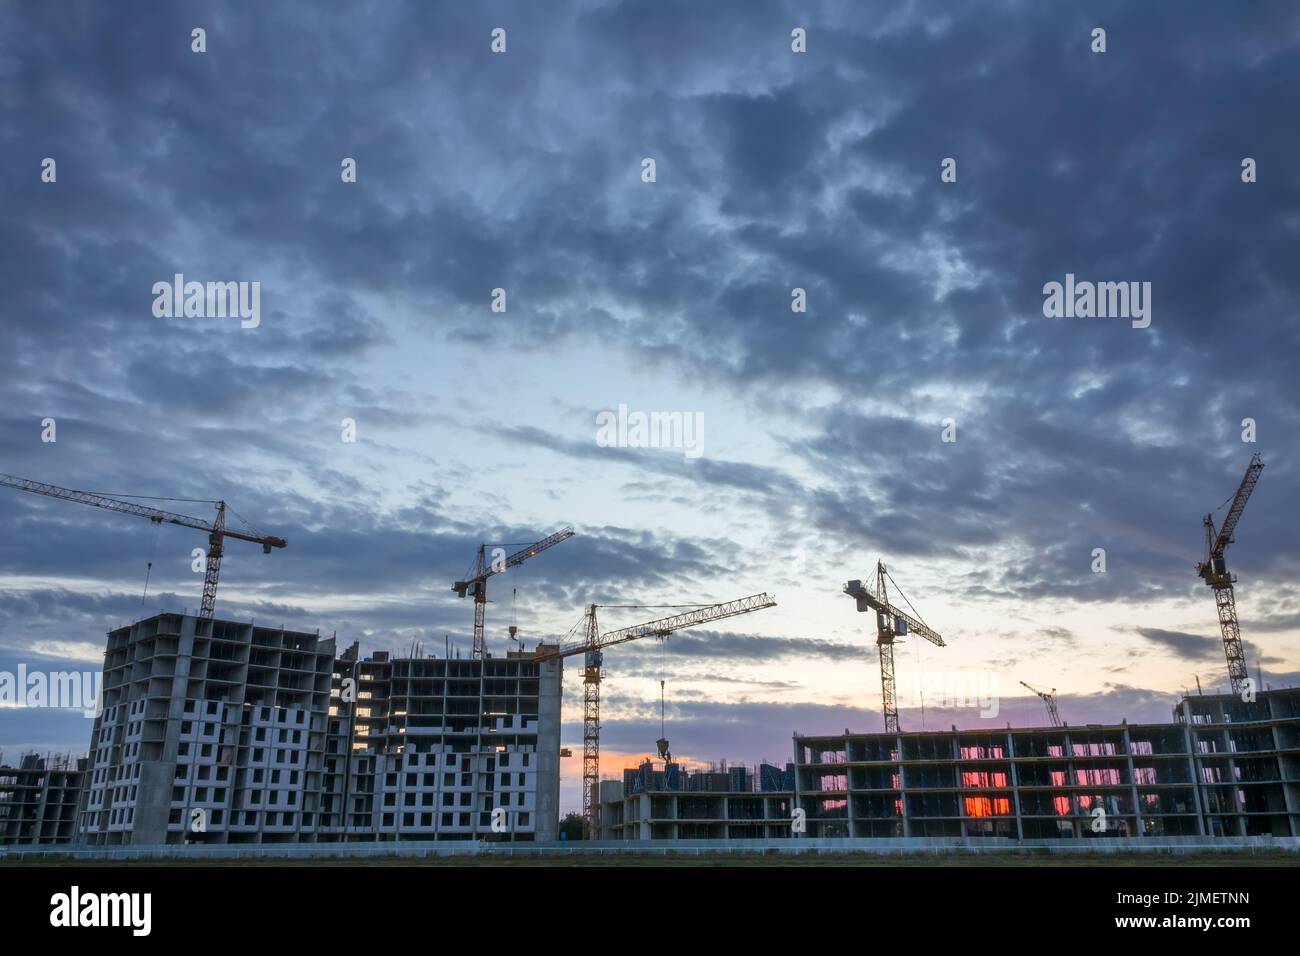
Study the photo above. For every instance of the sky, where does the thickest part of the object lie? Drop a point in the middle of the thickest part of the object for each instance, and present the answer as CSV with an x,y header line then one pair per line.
x,y
922,410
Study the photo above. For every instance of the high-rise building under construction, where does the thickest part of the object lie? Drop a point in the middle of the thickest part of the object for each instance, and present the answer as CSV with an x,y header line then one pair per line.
x,y
226,732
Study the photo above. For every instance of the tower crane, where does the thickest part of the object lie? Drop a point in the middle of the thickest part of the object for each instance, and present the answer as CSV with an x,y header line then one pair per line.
x,y
890,623
1214,570
1049,698
216,530
475,583
592,646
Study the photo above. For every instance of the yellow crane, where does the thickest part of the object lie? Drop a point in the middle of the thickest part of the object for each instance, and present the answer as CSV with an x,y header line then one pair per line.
x,y
1214,570
890,624
475,583
216,529
592,645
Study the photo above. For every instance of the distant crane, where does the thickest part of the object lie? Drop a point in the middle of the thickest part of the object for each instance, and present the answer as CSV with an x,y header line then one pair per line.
x,y
1214,569
217,530
592,645
890,623
475,582
1049,698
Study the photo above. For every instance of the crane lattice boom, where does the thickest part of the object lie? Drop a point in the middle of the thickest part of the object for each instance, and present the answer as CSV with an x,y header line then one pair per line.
x,y
891,622
217,530
475,582
1221,541
592,646
705,614
1214,570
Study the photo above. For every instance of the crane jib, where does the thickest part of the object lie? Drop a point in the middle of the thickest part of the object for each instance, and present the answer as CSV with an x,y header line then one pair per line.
x,y
663,627
1244,491
216,530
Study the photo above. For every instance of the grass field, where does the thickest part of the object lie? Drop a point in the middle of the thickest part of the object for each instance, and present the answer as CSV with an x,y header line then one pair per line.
x,y
737,860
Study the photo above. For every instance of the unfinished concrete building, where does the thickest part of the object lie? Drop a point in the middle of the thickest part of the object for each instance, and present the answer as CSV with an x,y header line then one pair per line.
x,y
229,732
211,731
672,803
1223,768
439,749
226,732
38,799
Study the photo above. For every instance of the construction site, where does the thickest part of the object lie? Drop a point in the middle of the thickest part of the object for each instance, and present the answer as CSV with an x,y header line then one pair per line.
x,y
215,732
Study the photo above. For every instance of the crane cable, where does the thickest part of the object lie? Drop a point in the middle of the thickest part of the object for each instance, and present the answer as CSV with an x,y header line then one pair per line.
x,y
916,644
106,494
193,501
581,622
658,607
921,679
663,641
514,616
153,553
242,521
905,598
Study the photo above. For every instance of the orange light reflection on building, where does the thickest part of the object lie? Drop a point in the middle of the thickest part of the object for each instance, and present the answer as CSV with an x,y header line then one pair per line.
x,y
988,806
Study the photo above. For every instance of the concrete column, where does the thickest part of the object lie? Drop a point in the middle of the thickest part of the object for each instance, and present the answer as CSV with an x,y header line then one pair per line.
x,y
902,787
1132,779
796,800
1193,765
550,679
1015,786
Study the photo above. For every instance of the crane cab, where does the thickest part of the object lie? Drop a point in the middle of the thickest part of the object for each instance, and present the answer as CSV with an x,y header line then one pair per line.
x,y
890,624
1215,572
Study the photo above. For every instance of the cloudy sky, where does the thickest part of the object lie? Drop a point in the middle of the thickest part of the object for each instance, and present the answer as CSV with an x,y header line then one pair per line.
x,y
822,446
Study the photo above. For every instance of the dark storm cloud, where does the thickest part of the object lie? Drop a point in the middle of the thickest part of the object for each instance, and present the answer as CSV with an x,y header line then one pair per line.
x,y
730,474
1287,622
704,644
386,577
1189,647
775,171
746,647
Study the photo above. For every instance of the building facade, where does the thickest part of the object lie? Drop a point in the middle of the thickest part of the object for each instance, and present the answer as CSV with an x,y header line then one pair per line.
x,y
443,749
673,803
38,799
210,731
229,732
1224,767
226,732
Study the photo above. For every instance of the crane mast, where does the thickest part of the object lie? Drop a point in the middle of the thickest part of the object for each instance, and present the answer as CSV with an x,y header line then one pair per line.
x,y
891,622
475,583
216,530
1213,569
592,646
